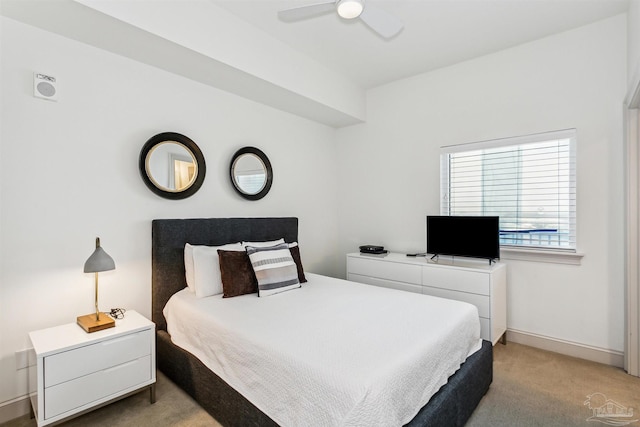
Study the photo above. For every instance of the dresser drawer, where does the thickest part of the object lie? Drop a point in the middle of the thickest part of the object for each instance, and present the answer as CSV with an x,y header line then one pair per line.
x,y
81,361
485,330
482,302
397,272
457,280
385,283
98,385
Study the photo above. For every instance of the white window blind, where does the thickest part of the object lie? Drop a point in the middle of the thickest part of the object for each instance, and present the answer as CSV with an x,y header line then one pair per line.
x,y
251,182
529,182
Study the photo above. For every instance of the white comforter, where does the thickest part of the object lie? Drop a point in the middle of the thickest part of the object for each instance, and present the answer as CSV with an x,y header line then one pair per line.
x,y
332,353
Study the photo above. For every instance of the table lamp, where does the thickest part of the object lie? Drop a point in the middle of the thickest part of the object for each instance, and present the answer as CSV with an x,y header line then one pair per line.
x,y
98,261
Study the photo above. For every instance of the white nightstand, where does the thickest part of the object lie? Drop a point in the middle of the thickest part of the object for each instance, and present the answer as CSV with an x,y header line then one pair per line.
x,y
77,371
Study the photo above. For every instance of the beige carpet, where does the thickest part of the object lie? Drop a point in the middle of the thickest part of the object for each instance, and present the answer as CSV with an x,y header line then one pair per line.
x,y
530,387
534,387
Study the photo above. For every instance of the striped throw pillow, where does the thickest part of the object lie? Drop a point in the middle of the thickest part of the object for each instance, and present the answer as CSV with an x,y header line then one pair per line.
x,y
274,268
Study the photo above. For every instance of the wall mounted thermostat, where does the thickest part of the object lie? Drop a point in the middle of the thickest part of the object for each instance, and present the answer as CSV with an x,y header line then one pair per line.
x,y
45,87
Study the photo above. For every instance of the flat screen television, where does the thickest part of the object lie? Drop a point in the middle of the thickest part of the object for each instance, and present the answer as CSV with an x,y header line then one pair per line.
x,y
468,236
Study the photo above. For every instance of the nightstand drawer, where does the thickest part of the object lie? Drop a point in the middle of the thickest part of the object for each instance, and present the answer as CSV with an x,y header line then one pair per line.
x,y
481,302
85,360
98,385
398,272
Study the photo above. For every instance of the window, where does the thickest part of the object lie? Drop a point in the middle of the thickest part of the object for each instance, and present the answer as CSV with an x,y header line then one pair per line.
x,y
529,182
251,182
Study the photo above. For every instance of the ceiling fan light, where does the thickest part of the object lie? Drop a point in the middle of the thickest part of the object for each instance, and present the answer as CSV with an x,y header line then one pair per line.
x,y
349,9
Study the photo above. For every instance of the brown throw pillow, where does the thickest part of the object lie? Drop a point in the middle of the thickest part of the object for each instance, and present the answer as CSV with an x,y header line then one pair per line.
x,y
237,274
295,254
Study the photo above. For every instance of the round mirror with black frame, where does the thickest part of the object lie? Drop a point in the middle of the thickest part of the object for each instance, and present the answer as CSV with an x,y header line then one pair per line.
x,y
251,173
172,165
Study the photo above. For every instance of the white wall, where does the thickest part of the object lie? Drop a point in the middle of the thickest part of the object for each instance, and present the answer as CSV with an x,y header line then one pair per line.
x,y
69,173
633,39
389,167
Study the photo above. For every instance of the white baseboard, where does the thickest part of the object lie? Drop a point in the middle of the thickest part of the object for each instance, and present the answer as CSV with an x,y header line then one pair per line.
x,y
14,408
595,354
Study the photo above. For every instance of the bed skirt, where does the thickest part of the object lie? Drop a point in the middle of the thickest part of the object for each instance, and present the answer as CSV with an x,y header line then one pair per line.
x,y
451,406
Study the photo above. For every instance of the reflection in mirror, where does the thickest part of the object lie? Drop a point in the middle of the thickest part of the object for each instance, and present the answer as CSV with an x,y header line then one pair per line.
x,y
251,173
172,165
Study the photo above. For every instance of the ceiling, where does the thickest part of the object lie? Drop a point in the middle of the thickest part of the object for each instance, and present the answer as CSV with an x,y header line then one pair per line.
x,y
436,33
318,68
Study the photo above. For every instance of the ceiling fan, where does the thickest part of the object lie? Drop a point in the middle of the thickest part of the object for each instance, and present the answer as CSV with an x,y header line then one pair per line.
x,y
378,20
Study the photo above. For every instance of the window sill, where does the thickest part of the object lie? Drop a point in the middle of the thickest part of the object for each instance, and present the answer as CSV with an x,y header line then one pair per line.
x,y
557,257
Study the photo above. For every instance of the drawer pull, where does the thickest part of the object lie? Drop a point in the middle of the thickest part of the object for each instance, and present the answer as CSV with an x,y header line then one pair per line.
x,y
115,368
119,340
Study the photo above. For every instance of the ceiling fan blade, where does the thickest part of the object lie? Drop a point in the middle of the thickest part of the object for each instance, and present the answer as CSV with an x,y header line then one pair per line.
x,y
308,11
381,22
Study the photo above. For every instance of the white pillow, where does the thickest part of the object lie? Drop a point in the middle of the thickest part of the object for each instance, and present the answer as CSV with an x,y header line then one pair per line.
x,y
207,280
263,244
188,267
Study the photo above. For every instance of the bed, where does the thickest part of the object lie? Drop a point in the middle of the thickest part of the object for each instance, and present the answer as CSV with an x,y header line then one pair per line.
x,y
452,405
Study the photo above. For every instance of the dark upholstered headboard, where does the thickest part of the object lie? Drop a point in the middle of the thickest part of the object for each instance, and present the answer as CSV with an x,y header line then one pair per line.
x,y
168,237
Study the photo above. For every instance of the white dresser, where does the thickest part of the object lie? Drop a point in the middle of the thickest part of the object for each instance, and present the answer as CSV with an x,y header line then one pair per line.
x,y
77,371
472,281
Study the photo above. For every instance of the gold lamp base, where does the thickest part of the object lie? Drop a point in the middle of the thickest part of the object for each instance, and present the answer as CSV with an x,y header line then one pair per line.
x,y
90,324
